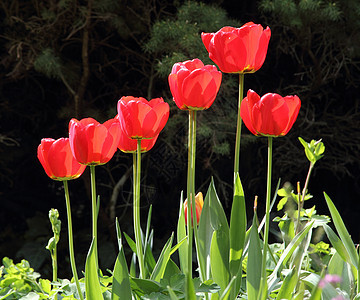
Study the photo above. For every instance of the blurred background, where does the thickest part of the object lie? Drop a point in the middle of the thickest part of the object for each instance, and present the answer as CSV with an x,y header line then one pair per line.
x,y
61,59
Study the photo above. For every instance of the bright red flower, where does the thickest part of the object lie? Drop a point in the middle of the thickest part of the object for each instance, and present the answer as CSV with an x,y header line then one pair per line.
x,y
142,119
270,115
199,203
93,143
57,160
129,145
193,85
238,50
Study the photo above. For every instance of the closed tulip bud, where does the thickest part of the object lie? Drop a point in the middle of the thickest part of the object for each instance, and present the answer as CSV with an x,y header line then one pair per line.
x,y
199,203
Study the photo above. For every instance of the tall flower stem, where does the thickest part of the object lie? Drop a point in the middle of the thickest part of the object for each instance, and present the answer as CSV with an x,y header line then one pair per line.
x,y
267,216
238,126
71,241
136,210
94,210
191,187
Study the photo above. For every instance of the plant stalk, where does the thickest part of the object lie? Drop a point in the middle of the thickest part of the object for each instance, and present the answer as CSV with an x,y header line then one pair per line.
x,y
71,241
238,127
267,217
136,211
301,202
94,210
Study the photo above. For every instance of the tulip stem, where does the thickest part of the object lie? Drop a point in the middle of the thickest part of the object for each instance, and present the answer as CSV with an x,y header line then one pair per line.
x,y
71,241
238,126
267,218
136,211
94,209
191,191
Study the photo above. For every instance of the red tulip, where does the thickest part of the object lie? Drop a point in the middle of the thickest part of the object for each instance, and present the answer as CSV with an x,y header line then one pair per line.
x,y
57,160
270,115
193,85
142,119
129,145
238,50
199,203
93,143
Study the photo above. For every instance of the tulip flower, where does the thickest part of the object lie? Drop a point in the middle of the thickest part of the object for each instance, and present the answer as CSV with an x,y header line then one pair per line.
x,y
142,119
57,160
59,164
93,143
270,115
129,145
199,203
238,50
193,85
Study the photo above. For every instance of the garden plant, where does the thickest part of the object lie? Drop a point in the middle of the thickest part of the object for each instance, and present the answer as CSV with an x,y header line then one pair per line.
x,y
209,256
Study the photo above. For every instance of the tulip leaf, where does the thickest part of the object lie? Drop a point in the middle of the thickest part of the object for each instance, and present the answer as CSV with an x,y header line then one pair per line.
x,y
163,259
253,273
219,259
121,288
342,231
336,243
288,286
92,283
121,282
212,218
181,235
237,233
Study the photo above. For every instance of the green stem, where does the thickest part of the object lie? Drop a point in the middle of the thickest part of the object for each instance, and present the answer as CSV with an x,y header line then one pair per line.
x,y
190,191
94,210
136,208
54,264
301,202
267,216
358,272
238,127
71,242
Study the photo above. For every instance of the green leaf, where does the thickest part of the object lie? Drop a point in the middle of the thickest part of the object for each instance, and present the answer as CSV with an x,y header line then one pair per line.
x,y
92,283
121,282
181,235
219,259
342,231
163,259
288,286
253,273
172,294
212,218
144,286
285,256
336,243
237,234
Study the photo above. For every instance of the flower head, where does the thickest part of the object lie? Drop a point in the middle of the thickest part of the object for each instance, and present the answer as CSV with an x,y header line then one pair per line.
x,y
142,119
193,85
93,143
238,50
270,115
57,160
199,203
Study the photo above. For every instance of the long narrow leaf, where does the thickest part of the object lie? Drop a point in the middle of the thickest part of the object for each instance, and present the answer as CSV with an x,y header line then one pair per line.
x,y
219,259
342,231
181,235
212,218
163,259
253,273
288,286
92,283
121,283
